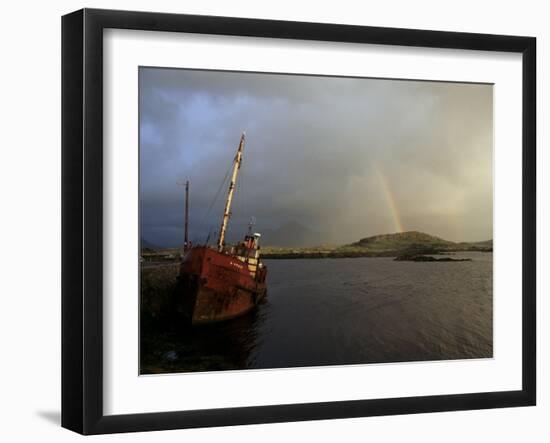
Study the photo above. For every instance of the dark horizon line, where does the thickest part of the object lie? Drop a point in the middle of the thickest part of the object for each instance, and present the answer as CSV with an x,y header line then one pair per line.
x,y
156,246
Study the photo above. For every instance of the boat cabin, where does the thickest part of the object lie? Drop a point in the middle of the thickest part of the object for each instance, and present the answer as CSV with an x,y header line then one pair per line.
x,y
248,251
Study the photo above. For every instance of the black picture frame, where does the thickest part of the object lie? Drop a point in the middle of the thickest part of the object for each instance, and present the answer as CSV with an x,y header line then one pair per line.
x,y
82,215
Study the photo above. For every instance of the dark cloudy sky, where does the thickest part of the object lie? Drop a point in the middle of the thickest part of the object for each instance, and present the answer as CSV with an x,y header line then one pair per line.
x,y
326,160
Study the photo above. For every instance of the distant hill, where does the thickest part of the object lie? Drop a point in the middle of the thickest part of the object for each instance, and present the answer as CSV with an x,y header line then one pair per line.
x,y
402,244
412,243
290,234
144,244
401,241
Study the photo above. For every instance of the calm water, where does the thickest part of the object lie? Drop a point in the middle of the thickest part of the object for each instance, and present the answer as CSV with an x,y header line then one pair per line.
x,y
345,311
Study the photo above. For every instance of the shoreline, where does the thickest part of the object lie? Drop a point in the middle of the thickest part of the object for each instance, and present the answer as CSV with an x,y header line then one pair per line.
x,y
160,258
360,254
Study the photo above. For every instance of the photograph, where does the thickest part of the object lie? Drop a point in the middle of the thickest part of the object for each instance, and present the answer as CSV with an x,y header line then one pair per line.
x,y
297,220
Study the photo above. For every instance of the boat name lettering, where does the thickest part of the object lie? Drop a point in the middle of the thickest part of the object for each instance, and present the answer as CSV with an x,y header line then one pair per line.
x,y
237,265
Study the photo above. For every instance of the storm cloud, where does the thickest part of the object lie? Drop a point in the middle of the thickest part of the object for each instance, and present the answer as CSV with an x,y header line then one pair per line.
x,y
326,160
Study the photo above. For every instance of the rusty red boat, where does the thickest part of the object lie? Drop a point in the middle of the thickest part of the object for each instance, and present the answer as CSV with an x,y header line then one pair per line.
x,y
218,283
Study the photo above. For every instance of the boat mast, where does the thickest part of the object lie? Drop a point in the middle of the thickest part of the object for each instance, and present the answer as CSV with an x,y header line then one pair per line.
x,y
227,210
186,238
186,229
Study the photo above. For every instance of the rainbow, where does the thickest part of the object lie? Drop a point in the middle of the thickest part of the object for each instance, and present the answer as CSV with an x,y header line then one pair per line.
x,y
391,201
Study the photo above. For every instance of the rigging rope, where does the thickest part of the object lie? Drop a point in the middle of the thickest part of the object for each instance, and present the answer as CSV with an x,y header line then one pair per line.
x,y
214,202
240,200
217,195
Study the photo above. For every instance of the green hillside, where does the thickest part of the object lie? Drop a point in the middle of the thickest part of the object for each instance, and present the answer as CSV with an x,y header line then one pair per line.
x,y
385,245
400,241
409,243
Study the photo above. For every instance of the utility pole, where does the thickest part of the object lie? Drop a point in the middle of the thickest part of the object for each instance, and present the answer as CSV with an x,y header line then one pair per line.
x,y
227,209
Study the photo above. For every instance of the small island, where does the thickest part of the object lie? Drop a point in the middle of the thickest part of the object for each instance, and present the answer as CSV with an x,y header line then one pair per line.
x,y
429,258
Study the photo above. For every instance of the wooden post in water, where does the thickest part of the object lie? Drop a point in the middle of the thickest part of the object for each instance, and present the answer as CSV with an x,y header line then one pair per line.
x,y
227,209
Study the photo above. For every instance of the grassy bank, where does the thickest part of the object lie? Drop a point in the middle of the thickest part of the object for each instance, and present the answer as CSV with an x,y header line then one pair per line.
x,y
157,286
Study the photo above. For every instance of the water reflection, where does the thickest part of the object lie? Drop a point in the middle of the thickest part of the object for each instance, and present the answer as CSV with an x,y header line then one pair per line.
x,y
343,311
220,346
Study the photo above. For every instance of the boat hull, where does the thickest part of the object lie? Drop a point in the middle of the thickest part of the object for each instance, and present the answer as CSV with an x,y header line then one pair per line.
x,y
215,286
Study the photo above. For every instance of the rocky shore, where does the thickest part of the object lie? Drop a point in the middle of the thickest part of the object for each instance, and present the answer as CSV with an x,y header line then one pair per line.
x,y
427,258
